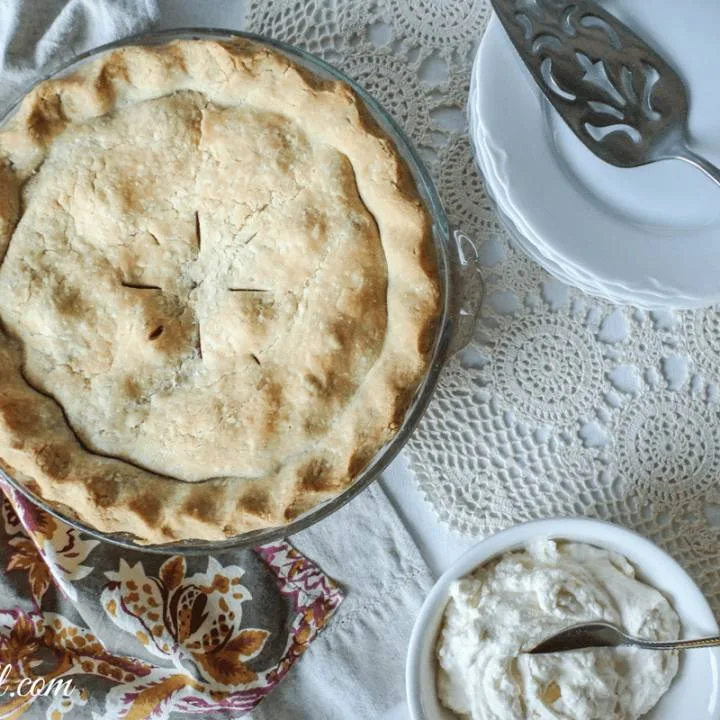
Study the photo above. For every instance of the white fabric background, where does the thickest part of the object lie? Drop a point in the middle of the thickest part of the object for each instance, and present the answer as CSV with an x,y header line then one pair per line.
x,y
38,34
355,670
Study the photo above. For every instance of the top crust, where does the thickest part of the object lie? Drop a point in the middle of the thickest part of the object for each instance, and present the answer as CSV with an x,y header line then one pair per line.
x,y
217,291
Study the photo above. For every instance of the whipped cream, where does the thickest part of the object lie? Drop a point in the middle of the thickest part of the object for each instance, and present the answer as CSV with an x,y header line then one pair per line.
x,y
515,601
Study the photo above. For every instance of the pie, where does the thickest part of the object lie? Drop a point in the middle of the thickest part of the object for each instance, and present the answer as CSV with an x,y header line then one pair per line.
x,y
218,290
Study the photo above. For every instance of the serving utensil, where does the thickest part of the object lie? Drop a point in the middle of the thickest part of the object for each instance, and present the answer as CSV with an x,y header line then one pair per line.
x,y
615,92
604,634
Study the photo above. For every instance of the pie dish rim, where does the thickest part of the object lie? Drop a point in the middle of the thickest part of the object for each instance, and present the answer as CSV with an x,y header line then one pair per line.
x,y
443,240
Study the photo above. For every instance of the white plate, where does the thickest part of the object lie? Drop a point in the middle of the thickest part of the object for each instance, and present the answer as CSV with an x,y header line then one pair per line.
x,y
694,694
648,236
521,233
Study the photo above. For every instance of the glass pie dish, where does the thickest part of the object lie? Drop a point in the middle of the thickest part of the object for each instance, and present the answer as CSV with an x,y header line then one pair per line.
x,y
460,294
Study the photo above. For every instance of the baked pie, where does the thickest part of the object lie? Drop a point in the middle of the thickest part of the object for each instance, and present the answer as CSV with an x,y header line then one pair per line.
x,y
218,290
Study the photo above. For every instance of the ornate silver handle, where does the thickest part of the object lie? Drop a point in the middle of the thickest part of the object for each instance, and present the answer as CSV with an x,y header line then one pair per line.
x,y
685,153
678,644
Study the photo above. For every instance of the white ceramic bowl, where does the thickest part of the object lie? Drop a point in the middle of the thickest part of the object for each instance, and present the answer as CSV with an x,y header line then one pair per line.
x,y
695,692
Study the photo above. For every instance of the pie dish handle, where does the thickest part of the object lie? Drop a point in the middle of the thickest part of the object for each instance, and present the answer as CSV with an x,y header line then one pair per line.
x,y
467,289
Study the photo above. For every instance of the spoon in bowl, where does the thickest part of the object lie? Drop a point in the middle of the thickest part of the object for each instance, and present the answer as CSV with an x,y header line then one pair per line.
x,y
604,634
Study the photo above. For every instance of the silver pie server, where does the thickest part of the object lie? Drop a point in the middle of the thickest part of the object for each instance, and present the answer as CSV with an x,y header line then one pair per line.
x,y
617,94
603,634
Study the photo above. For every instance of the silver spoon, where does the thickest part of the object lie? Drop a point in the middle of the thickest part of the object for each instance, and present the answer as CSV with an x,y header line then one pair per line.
x,y
617,94
603,634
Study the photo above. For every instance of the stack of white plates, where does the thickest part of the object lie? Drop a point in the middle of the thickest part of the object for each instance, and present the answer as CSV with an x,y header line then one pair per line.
x,y
647,236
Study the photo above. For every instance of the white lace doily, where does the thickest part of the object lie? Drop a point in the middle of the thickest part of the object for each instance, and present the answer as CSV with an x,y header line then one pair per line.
x,y
564,404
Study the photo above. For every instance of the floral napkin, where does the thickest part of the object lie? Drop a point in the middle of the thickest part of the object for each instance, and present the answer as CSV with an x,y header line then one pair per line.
x,y
137,636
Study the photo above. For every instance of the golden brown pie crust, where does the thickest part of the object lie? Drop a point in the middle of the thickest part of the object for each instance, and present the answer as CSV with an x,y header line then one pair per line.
x,y
218,290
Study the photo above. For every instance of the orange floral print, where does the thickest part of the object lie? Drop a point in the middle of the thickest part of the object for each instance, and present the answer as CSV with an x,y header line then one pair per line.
x,y
218,665
46,549
195,619
25,556
48,647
